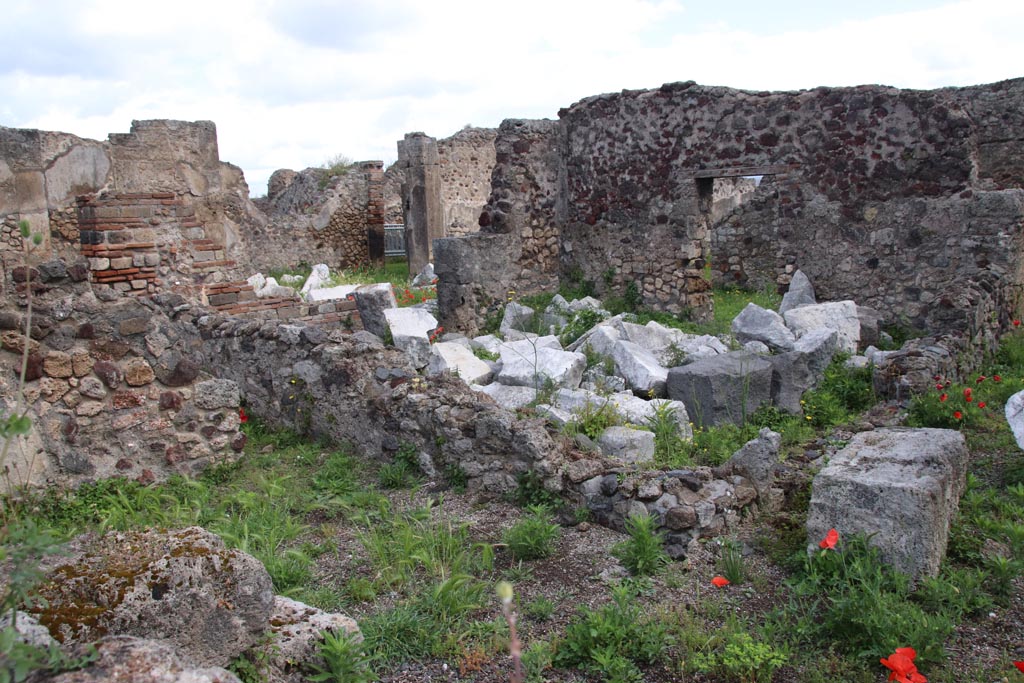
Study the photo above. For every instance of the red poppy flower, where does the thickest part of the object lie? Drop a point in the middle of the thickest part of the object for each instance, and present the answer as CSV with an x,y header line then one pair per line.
x,y
902,668
981,404
967,393
242,417
957,415
968,398
981,378
943,397
997,378
936,378
1016,323
939,387
830,540
720,582
1020,666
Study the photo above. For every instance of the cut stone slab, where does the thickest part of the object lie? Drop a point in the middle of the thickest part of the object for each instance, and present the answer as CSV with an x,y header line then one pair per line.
x,y
371,302
629,407
602,340
627,444
759,324
458,360
535,366
901,485
409,329
1014,412
509,398
801,293
318,277
801,369
723,388
641,370
487,342
516,317
327,293
425,277
840,316
756,460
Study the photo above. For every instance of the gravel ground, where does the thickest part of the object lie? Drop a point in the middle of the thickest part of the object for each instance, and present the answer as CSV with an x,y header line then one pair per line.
x,y
581,569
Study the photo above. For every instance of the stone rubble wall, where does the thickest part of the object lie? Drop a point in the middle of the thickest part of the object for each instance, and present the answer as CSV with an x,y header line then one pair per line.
x,y
315,218
115,387
350,389
43,174
466,161
906,201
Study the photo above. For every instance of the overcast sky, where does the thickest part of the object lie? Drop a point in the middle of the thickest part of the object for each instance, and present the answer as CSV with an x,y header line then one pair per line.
x,y
291,83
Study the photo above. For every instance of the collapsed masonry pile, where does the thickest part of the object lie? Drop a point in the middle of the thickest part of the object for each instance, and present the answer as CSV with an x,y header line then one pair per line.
x,y
590,363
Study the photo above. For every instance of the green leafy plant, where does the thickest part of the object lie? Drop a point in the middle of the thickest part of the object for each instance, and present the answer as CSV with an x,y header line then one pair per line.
x,y
669,447
533,536
731,564
530,490
618,629
539,609
744,659
642,553
592,419
344,659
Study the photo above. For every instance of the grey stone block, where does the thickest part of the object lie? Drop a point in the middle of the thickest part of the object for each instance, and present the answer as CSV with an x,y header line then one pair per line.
x,y
723,388
902,486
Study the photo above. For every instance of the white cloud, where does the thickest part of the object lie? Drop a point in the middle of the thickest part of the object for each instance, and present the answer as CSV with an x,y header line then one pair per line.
x,y
290,83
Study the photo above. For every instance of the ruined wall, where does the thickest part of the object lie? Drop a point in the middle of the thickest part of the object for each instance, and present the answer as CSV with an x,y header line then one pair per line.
x,y
42,173
318,218
393,179
517,245
351,389
906,201
466,161
115,387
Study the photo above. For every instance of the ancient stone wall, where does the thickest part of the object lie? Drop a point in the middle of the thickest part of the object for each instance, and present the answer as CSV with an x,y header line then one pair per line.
x,y
906,201
115,387
351,389
516,249
42,173
466,161
315,217
445,184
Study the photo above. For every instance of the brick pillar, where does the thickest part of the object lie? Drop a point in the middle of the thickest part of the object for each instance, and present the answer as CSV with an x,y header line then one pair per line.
x,y
117,236
375,210
421,197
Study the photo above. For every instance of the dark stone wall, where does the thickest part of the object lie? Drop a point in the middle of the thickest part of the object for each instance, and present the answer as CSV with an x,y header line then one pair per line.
x,y
909,201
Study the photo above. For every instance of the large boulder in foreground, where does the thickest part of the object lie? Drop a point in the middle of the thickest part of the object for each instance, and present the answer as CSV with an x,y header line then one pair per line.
x,y
181,587
902,486
126,659
296,630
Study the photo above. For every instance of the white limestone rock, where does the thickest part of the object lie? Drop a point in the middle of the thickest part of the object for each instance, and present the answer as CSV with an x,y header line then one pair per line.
x,y
459,361
410,329
840,316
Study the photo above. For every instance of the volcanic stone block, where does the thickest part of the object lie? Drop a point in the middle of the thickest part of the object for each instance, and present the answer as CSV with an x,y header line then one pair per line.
x,y
901,486
840,316
372,301
723,388
759,324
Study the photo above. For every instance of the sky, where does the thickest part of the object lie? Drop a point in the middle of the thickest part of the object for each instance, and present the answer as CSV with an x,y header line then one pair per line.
x,y
293,83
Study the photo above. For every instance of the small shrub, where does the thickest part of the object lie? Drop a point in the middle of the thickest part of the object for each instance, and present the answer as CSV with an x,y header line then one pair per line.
x,y
617,629
593,419
343,659
532,537
580,322
744,659
642,554
483,354
539,609
530,491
